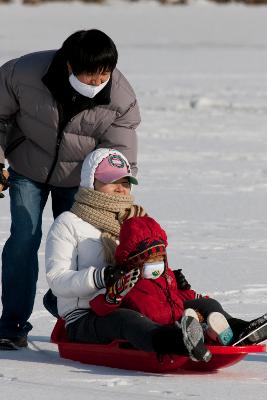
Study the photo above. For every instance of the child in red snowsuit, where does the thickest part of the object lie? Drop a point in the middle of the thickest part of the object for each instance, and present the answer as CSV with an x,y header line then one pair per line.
x,y
158,293
143,243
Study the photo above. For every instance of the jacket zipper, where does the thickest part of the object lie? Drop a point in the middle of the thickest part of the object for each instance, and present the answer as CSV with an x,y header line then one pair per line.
x,y
169,299
59,139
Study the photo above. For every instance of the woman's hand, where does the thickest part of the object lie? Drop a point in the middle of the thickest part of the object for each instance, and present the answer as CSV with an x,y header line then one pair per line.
x,y
107,276
112,274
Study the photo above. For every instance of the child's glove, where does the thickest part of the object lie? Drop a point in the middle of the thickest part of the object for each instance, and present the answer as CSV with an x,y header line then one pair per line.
x,y
122,286
182,283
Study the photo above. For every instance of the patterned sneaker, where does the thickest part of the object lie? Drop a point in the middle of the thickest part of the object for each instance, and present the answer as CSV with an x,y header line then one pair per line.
x,y
194,339
218,329
190,312
256,332
13,343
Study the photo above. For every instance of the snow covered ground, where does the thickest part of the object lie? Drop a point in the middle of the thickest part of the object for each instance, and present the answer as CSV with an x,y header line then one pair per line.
x,y
200,75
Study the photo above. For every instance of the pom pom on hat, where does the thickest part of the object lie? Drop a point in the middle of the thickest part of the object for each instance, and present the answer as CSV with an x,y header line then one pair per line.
x,y
140,238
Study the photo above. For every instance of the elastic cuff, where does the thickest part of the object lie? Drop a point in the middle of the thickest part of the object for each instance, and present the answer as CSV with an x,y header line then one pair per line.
x,y
114,301
98,277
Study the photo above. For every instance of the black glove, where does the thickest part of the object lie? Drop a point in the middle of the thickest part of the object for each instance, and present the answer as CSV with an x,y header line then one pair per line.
x,y
181,281
107,276
112,274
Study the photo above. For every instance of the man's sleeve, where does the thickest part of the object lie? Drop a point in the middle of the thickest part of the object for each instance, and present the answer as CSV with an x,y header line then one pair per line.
x,y
121,135
8,103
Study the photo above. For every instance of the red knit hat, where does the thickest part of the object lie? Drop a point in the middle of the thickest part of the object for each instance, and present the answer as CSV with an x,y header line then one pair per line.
x,y
140,237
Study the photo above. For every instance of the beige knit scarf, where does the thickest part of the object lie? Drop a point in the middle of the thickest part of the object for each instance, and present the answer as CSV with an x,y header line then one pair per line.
x,y
106,212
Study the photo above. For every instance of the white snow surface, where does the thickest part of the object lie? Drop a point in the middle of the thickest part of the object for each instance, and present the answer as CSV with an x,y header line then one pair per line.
x,y
199,72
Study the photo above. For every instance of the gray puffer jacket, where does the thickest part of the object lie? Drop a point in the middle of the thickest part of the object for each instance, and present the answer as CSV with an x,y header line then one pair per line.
x,y
30,135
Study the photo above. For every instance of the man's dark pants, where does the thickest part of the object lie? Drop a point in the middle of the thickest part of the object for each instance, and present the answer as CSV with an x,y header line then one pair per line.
x,y
19,257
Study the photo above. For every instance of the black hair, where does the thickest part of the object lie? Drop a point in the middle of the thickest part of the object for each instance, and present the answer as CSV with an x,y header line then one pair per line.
x,y
90,51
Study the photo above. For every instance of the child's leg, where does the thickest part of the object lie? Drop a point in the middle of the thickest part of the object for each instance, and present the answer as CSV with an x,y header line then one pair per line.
x,y
206,306
216,318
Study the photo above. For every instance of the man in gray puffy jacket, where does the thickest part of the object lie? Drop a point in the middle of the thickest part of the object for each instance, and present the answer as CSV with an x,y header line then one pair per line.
x,y
55,108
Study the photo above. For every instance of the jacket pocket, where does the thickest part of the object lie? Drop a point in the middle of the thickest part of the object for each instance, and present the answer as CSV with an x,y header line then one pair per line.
x,y
12,146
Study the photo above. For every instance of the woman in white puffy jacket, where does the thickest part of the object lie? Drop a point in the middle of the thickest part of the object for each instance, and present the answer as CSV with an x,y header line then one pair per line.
x,y
79,256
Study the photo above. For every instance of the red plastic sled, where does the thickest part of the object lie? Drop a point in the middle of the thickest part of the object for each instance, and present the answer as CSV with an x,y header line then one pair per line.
x,y
120,354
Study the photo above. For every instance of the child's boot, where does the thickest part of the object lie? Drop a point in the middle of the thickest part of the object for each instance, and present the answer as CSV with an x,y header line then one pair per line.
x,y
194,339
218,329
191,313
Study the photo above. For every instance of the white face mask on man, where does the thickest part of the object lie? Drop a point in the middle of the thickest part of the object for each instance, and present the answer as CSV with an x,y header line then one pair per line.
x,y
153,270
84,89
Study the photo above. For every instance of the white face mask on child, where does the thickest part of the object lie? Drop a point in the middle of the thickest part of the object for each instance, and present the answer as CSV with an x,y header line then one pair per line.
x,y
153,270
84,89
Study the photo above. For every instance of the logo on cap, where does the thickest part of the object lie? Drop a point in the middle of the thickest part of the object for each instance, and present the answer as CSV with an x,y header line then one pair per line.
x,y
115,160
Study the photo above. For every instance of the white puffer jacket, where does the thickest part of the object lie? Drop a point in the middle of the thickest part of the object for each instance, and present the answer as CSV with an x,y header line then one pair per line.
x,y
74,251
